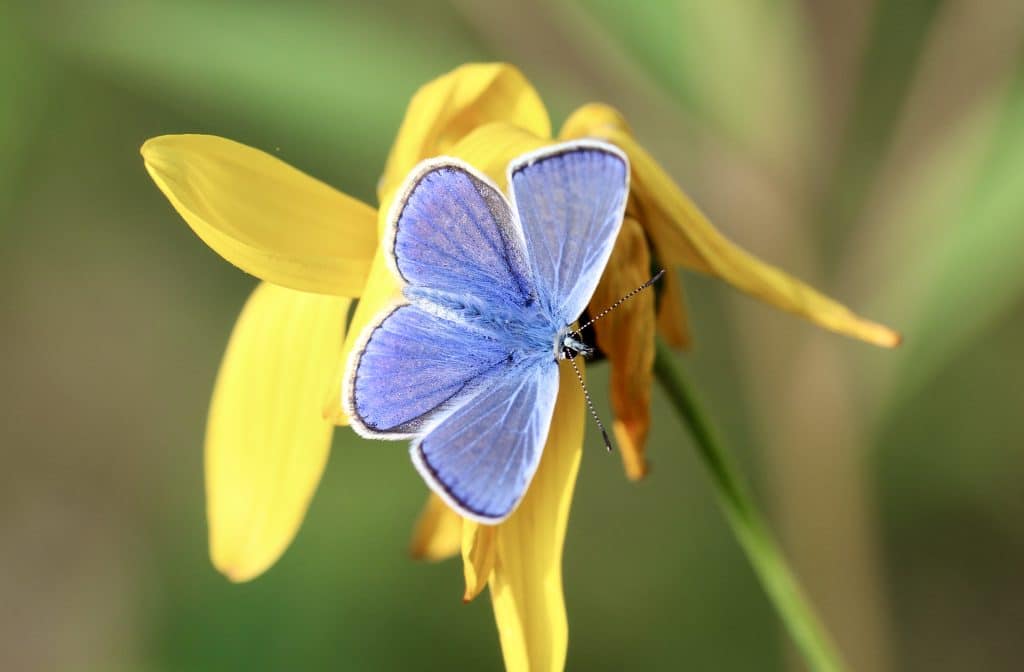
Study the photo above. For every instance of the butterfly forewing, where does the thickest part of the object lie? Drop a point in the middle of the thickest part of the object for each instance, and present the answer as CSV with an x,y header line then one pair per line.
x,y
454,237
570,200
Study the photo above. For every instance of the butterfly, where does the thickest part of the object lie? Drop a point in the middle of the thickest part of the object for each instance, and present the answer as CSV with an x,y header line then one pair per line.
x,y
465,364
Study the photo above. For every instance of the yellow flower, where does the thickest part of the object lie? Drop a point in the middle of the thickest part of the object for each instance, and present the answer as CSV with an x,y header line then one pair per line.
x,y
277,394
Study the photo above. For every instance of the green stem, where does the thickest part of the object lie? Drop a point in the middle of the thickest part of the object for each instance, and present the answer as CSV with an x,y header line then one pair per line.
x,y
748,525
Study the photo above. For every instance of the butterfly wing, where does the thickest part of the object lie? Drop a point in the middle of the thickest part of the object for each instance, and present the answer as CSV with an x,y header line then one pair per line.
x,y
570,199
482,457
413,367
453,235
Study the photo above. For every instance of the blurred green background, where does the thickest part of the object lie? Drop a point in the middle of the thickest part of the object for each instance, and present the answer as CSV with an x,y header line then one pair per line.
x,y
875,149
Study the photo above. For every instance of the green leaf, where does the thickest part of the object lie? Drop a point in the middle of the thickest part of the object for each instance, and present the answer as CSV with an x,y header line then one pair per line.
x,y
747,523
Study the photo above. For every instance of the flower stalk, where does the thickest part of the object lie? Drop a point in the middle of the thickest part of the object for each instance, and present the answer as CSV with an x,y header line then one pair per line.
x,y
746,522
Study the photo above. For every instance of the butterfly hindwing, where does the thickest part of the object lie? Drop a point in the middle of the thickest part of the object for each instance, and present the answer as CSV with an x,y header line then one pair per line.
x,y
482,457
570,199
412,367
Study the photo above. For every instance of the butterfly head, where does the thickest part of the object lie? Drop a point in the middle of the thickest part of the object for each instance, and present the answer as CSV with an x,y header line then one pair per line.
x,y
569,347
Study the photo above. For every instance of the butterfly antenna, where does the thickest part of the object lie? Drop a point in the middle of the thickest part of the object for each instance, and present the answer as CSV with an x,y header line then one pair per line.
x,y
590,405
627,297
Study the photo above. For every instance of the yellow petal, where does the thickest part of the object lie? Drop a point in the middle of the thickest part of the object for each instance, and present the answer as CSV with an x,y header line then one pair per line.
x,y
626,336
438,533
450,107
478,552
673,322
591,119
492,147
264,216
526,585
683,235
266,442
333,411
678,228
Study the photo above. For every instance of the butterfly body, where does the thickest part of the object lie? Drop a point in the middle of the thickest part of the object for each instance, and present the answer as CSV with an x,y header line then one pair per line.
x,y
526,331
466,364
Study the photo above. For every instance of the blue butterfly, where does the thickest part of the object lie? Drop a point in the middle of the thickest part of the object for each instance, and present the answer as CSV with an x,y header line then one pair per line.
x,y
466,365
